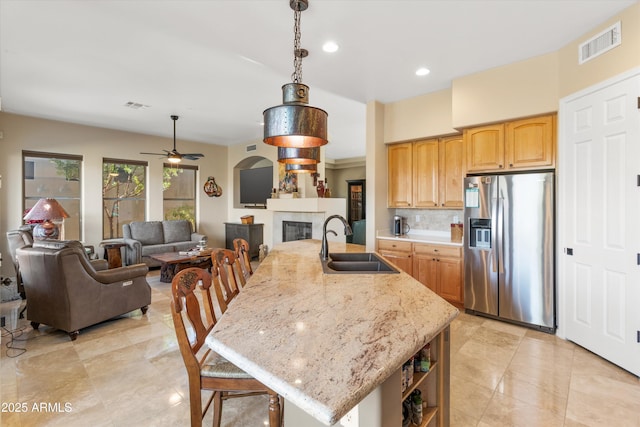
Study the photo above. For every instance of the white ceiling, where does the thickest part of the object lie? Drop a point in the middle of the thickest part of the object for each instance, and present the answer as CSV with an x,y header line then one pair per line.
x,y
219,63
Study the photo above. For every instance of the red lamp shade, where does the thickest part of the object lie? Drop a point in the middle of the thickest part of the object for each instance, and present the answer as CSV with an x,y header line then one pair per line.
x,y
46,210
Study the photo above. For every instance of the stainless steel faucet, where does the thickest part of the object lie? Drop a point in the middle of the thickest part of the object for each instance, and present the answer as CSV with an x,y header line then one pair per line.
x,y
324,252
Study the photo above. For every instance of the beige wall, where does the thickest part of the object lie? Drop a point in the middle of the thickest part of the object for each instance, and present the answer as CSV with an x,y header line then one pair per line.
x,y
525,88
414,118
378,215
574,77
27,133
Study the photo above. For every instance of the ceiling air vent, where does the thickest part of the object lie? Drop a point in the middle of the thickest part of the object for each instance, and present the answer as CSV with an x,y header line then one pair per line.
x,y
251,147
135,105
600,43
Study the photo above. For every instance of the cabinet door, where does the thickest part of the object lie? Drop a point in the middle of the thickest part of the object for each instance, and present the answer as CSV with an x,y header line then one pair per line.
x,y
402,260
425,173
452,173
485,148
400,192
530,143
425,271
450,279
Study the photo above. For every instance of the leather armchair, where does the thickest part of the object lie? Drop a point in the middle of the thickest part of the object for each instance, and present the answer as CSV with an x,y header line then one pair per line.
x,y
19,239
65,291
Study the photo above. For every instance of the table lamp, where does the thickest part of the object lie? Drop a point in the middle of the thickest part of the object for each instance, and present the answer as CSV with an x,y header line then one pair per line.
x,y
46,210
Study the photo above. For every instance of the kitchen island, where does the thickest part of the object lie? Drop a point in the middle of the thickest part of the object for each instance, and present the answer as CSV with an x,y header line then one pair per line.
x,y
327,342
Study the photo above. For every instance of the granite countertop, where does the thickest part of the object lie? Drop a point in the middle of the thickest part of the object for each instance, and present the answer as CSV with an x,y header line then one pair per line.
x,y
421,236
325,341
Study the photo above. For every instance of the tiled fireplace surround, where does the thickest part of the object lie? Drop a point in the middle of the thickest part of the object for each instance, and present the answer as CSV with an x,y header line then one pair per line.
x,y
311,210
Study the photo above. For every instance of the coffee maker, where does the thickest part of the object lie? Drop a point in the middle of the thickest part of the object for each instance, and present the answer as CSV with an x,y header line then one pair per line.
x,y
400,226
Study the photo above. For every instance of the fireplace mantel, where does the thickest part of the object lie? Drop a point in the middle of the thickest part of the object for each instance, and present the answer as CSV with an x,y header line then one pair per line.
x,y
330,205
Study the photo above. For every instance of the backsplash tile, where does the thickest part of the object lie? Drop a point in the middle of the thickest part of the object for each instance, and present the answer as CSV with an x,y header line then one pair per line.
x,y
430,219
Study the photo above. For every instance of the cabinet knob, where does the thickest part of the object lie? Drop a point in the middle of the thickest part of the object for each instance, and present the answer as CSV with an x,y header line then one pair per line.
x,y
500,166
510,165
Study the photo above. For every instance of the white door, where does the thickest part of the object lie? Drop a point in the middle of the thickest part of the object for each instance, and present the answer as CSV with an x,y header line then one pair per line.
x,y
599,220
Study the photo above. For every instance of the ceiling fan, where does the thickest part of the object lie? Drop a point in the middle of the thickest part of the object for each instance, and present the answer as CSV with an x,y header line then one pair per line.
x,y
174,156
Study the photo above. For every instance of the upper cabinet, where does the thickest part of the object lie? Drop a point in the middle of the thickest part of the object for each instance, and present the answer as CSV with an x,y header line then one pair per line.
x,y
515,145
400,179
426,173
451,165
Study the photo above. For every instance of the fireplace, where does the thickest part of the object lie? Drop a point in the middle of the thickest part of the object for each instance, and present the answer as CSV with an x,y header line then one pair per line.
x,y
296,230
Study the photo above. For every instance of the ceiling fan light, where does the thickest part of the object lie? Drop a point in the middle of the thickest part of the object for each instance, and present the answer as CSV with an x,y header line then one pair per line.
x,y
300,156
173,158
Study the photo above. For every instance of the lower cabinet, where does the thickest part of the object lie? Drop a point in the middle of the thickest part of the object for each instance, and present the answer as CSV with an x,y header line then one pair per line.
x,y
398,253
438,267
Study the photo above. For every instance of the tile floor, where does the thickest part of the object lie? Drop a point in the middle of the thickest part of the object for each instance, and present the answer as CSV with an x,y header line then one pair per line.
x,y
129,371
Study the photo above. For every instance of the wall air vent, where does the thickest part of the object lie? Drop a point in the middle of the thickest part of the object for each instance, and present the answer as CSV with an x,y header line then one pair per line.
x,y
600,43
251,147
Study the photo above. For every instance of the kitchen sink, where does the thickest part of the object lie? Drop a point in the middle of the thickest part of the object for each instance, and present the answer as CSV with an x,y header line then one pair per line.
x,y
356,263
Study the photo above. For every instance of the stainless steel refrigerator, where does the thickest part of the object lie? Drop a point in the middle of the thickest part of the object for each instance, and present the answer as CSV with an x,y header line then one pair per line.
x,y
509,248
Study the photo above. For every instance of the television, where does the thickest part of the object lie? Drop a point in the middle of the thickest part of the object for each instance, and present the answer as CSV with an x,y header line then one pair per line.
x,y
255,186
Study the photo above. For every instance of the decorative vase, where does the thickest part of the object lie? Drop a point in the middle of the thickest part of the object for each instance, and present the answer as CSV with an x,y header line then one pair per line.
x,y
320,188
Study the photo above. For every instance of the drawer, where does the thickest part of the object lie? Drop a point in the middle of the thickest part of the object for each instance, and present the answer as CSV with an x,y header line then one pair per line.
x,y
392,245
437,250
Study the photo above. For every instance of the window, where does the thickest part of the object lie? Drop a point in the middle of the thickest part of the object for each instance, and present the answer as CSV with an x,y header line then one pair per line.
x,y
179,192
56,176
123,194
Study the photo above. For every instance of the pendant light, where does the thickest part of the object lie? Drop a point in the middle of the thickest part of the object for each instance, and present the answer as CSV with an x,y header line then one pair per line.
x,y
295,124
290,167
299,156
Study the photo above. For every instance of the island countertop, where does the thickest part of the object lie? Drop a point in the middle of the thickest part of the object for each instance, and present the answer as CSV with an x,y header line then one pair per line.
x,y
325,341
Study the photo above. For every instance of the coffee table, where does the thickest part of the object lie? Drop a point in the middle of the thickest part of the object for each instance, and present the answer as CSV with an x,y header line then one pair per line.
x,y
173,262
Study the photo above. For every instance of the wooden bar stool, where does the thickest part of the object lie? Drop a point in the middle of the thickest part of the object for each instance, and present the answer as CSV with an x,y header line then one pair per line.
x,y
206,369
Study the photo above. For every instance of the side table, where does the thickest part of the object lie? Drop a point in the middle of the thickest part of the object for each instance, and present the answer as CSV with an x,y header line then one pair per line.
x,y
112,252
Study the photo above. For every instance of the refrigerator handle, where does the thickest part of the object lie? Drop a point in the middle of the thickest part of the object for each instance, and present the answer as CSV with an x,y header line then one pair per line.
x,y
499,237
494,237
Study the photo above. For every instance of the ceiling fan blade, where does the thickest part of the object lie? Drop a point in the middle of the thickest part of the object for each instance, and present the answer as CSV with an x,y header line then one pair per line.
x,y
195,155
190,157
156,154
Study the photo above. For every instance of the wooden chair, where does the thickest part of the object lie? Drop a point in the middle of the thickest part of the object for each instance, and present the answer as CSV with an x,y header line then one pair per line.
x,y
241,247
206,369
226,274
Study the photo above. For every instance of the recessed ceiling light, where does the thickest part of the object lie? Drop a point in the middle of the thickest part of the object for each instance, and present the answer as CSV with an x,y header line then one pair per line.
x,y
330,47
422,71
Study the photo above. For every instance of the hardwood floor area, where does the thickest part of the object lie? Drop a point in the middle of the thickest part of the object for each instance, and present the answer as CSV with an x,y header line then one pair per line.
x,y
128,371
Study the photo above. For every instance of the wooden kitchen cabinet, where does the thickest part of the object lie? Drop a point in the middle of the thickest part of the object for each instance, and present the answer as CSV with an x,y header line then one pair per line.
x,y
451,171
485,148
530,143
425,173
400,178
434,178
516,145
439,268
398,253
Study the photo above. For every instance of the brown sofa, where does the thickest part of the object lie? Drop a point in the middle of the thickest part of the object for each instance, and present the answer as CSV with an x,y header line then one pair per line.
x,y
66,292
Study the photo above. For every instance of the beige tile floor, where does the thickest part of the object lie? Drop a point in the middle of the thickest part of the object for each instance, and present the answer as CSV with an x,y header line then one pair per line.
x,y
129,371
